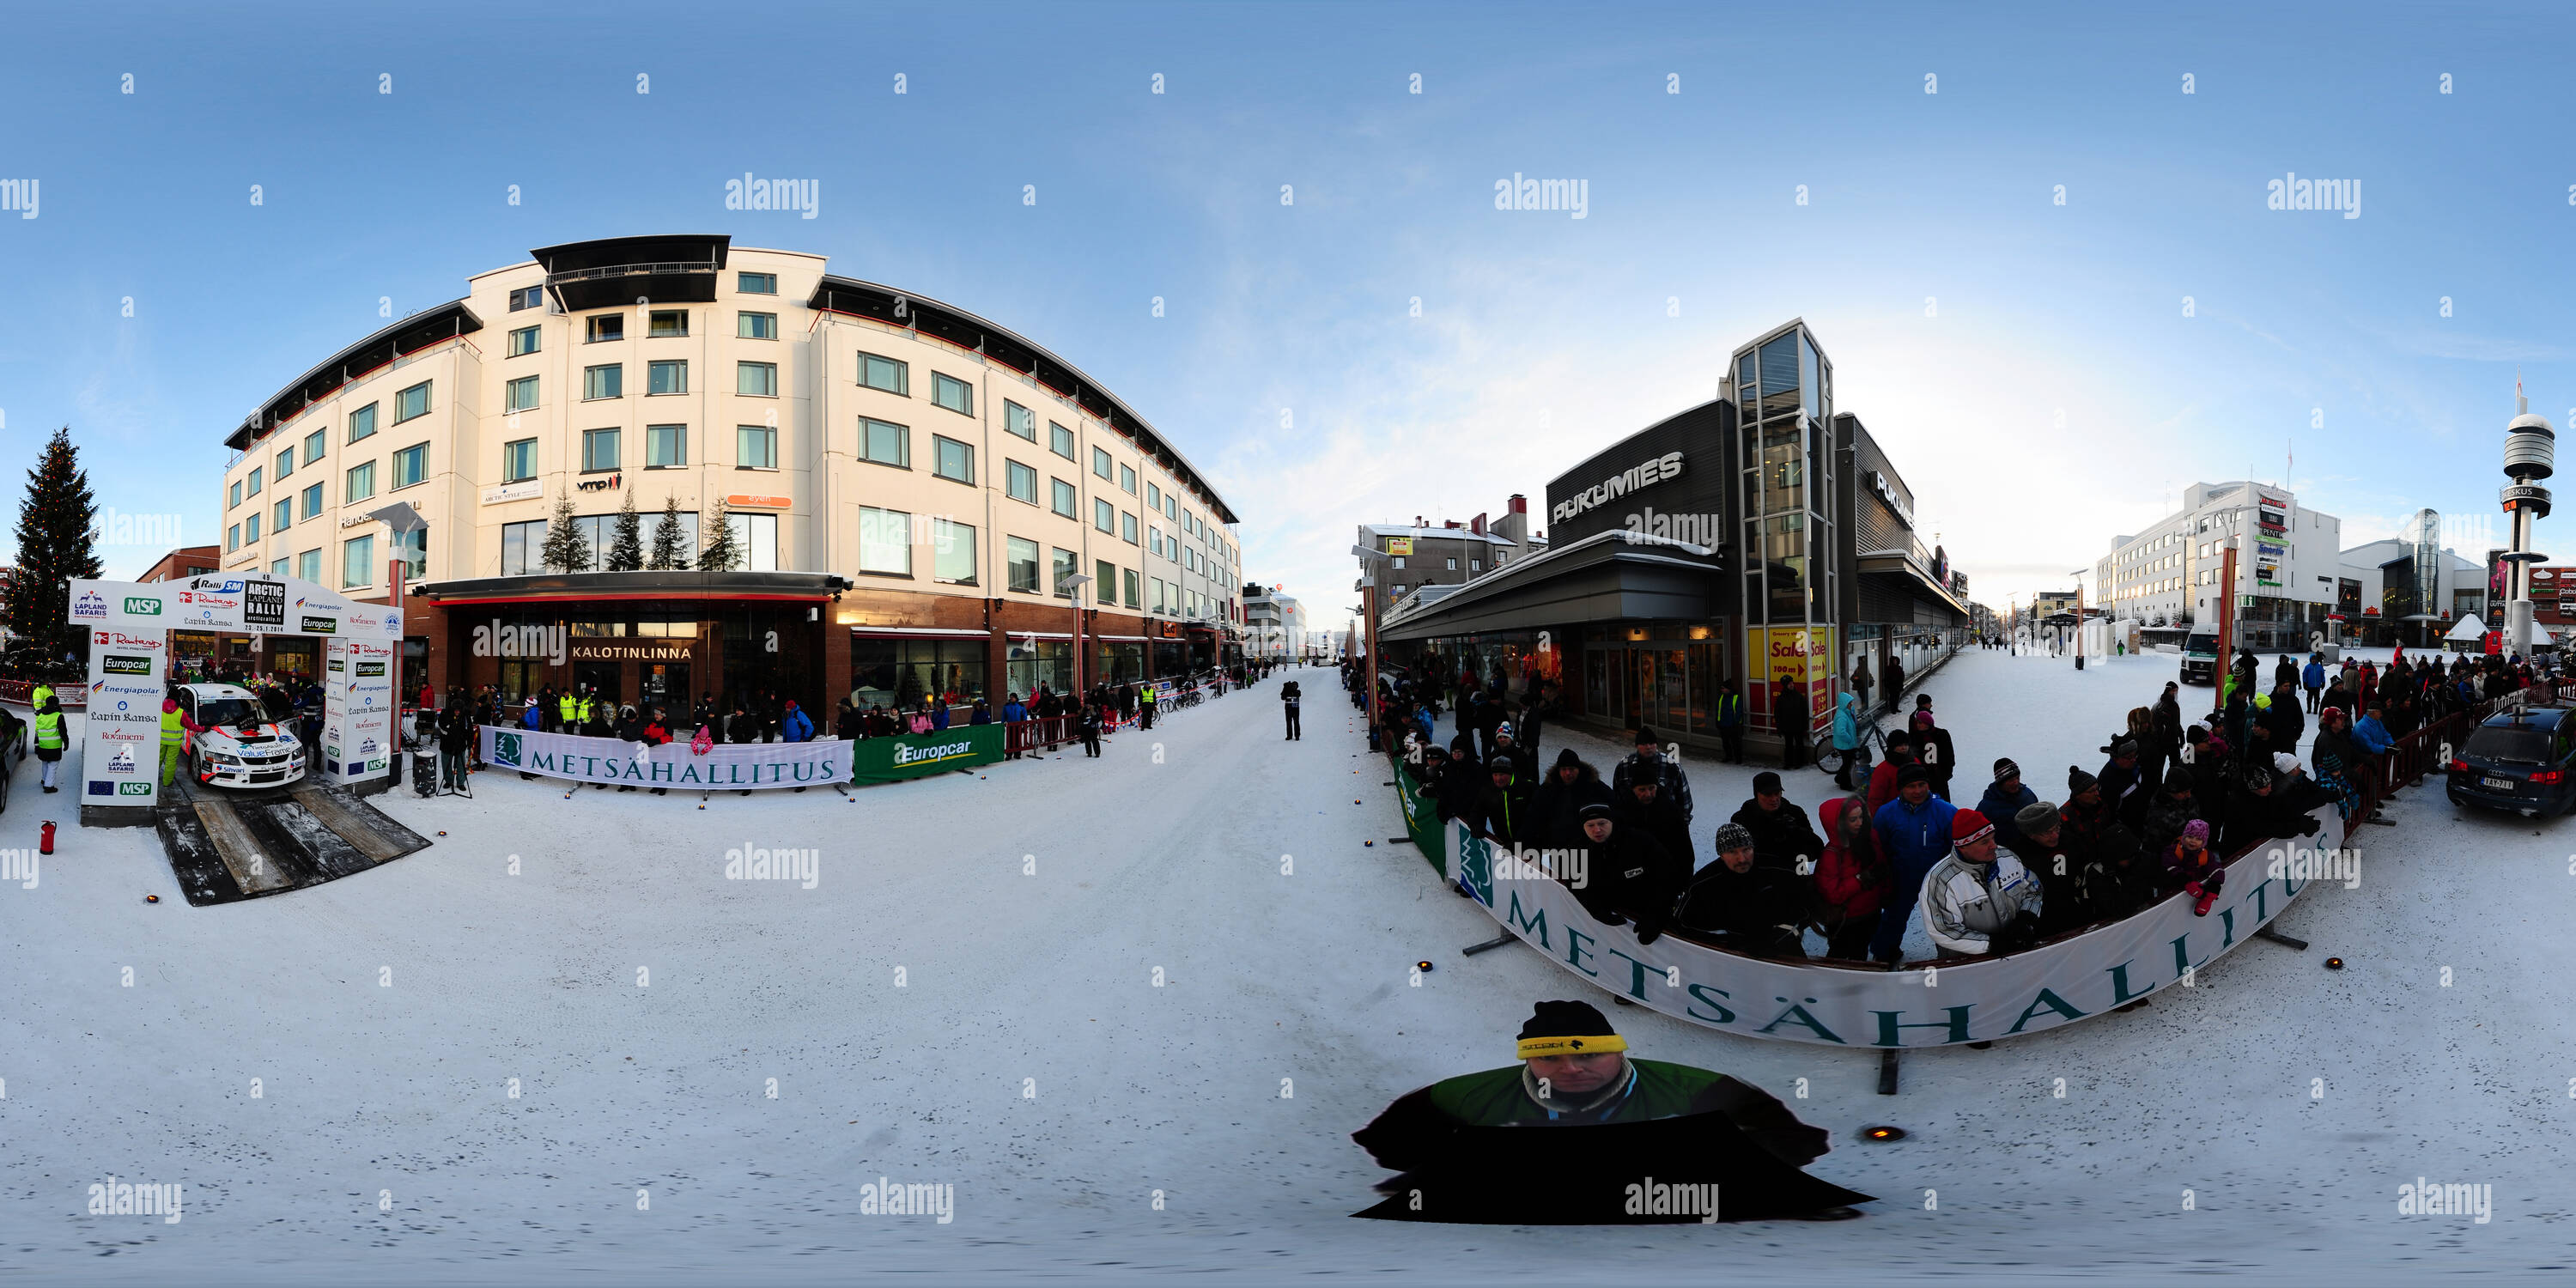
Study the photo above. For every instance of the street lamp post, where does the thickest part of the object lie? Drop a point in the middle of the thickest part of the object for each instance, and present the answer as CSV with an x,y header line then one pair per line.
x,y
1075,583
2079,619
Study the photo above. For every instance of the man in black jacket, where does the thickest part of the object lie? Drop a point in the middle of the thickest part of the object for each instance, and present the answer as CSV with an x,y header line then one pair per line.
x,y
1644,810
1504,813
1650,762
1570,786
1781,833
1746,907
1628,875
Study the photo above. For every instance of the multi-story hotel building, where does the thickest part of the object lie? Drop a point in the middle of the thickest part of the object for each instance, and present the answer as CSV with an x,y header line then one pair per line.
x,y
2287,562
920,501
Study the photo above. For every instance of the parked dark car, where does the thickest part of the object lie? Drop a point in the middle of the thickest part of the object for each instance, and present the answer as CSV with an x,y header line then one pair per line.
x,y
2518,760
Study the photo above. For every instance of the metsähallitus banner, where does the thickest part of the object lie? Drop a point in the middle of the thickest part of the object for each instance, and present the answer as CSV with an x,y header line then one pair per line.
x,y
726,766
917,755
1937,1004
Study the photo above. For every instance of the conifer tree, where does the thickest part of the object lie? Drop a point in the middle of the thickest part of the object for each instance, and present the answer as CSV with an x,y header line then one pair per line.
x,y
720,554
626,554
55,545
565,551
670,545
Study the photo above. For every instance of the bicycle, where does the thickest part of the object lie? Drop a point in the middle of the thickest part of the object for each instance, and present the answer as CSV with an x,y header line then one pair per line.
x,y
1872,749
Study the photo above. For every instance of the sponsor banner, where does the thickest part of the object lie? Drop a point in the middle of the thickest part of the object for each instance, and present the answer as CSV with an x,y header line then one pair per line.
x,y
1959,1000
120,735
263,604
755,501
242,605
1805,655
522,490
358,711
726,766
918,755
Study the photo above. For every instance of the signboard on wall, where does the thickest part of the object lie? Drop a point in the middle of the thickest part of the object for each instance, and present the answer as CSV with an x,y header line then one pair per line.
x,y
1399,546
1805,654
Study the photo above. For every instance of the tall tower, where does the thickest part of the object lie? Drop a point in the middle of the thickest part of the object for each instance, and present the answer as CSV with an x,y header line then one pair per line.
x,y
2529,447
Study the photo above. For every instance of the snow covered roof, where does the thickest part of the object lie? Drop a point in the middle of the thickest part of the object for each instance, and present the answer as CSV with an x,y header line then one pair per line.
x,y
1443,534
2469,628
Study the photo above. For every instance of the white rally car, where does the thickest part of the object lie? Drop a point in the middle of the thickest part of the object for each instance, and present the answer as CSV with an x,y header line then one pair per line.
x,y
238,745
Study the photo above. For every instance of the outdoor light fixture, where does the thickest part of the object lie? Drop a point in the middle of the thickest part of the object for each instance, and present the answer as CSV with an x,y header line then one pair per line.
x,y
2334,963
1882,1133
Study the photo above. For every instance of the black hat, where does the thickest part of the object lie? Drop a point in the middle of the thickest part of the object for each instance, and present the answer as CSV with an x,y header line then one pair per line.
x,y
2077,781
1644,735
2005,768
1567,1028
1766,781
2125,747
1567,759
1596,809
1500,763
2177,779
1913,773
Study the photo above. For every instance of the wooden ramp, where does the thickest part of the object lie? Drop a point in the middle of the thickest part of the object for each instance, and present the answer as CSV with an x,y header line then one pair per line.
x,y
226,847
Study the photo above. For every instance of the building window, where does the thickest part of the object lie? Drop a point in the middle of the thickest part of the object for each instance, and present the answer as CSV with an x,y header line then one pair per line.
x,y
233,495
1134,598
1067,502
598,450
250,530
1475,565
885,541
756,283
669,324
951,459
519,461
1127,479
251,489
1153,497
666,446
756,536
1021,482
309,565
522,548
232,538
411,465
1158,585
527,297
313,444
1453,565
952,553
277,567
312,505
952,393
755,326
605,326
411,403
1104,582
285,515
1397,560
1019,420
755,447
756,379
1065,563
1100,463
1022,568
1127,527
1104,516
604,382
285,463
1060,440
523,340
413,548
358,561
885,443
362,483
362,422
886,374
521,394
670,376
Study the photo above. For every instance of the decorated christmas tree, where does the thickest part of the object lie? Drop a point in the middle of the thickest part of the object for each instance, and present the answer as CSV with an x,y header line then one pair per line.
x,y
54,546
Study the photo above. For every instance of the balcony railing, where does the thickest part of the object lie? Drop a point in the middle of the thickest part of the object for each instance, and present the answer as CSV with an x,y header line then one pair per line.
x,y
631,270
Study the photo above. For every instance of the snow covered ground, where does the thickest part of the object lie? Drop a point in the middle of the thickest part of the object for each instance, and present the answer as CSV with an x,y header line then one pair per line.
x,y
968,997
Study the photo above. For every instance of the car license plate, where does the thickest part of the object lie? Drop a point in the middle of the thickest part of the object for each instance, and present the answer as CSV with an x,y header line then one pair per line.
x,y
268,778
2499,784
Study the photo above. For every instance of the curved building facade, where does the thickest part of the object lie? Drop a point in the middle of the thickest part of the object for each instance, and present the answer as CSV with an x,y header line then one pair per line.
x,y
913,494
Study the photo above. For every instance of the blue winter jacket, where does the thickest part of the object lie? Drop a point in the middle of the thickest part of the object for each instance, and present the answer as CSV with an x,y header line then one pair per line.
x,y
2314,677
1913,837
1999,810
1847,722
796,728
534,719
1014,712
2372,735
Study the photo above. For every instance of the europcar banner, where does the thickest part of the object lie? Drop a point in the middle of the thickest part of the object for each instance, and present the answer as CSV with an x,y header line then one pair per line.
x,y
1941,1003
918,755
726,766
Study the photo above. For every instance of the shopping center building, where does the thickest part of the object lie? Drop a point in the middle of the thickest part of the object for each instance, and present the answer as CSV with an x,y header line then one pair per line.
x,y
1760,534
921,502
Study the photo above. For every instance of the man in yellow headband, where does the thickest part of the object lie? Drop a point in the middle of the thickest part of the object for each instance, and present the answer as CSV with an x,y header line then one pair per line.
x,y
1575,1071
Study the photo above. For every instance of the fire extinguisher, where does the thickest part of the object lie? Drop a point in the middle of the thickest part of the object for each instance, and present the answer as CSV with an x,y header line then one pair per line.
x,y
46,844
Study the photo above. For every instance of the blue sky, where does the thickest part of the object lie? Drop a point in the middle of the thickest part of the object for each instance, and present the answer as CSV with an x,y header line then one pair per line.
x,y
1541,337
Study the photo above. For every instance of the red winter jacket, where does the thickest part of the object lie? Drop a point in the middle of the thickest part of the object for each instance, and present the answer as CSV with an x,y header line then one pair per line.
x,y
1848,878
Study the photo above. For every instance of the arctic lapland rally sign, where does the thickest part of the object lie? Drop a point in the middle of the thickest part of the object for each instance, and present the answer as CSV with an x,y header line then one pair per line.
x,y
726,766
1939,1004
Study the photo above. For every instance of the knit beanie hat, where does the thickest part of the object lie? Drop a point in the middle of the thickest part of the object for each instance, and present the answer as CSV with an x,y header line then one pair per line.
x,y
2038,816
1567,1028
1592,811
2077,781
2177,779
2005,768
1567,759
2196,830
2285,762
1733,836
1968,827
1913,773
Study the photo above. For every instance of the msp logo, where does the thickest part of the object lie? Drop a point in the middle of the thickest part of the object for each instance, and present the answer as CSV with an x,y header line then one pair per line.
x,y
505,748
139,606
134,789
91,604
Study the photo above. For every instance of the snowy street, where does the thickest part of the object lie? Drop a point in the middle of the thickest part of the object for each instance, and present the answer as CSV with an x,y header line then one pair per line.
x,y
988,1017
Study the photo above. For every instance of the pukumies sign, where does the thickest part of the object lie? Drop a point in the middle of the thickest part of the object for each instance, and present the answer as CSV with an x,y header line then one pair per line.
x,y
1939,1004
726,766
918,755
